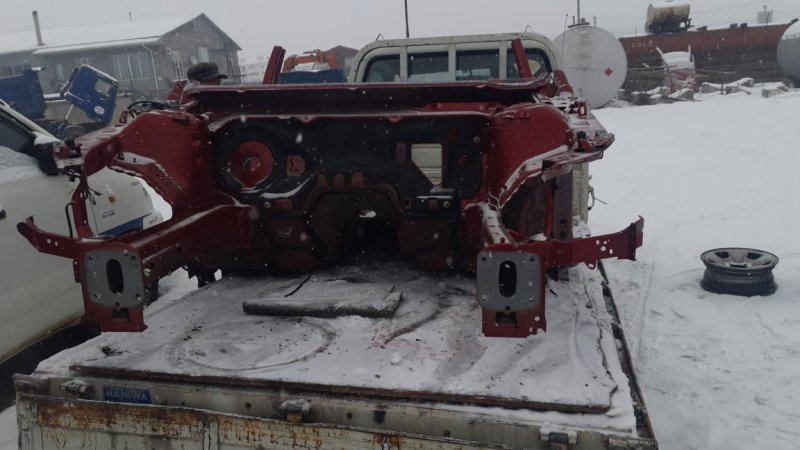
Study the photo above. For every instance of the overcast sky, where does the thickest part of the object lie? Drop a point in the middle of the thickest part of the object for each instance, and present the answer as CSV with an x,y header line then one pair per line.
x,y
298,25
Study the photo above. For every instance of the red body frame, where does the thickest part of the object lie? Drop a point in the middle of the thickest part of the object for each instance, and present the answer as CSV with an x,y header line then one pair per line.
x,y
527,142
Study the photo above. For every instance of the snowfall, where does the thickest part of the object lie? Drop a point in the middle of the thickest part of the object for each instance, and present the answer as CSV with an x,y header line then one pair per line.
x,y
717,371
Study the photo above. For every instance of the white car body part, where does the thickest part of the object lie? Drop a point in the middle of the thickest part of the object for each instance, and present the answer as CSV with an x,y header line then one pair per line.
x,y
38,292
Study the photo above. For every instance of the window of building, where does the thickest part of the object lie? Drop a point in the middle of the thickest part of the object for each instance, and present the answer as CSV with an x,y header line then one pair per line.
x,y
202,54
177,66
131,66
477,65
16,69
428,67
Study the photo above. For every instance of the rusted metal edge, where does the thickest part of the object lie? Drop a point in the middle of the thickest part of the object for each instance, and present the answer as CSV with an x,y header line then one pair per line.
x,y
341,391
643,424
176,421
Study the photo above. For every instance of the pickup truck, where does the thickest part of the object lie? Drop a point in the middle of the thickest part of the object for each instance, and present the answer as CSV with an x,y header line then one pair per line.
x,y
349,221
205,375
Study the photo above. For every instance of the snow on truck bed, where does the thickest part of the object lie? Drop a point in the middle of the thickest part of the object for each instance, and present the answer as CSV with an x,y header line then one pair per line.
x,y
431,350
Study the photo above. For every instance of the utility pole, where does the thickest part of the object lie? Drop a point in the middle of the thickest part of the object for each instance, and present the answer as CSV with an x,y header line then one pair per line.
x,y
408,35
580,19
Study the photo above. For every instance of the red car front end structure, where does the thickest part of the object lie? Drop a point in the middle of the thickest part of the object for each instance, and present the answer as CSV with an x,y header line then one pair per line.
x,y
279,178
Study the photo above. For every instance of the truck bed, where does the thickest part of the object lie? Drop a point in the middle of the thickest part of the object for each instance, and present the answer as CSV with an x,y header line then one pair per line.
x,y
207,375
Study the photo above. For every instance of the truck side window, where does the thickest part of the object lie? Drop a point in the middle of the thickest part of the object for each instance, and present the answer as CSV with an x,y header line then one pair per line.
x,y
477,65
428,67
537,60
103,87
383,69
13,136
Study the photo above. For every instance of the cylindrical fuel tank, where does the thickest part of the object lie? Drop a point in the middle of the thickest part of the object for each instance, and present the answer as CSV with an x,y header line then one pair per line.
x,y
594,62
668,12
789,53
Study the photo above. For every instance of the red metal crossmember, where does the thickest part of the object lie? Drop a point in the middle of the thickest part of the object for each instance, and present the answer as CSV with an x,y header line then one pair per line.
x,y
622,245
512,276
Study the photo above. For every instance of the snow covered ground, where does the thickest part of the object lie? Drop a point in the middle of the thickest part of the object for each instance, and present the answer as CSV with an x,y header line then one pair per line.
x,y
718,371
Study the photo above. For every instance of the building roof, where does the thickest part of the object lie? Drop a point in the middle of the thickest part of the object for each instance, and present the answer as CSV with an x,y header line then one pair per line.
x,y
96,36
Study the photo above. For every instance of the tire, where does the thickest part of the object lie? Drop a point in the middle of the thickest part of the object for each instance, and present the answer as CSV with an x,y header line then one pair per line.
x,y
72,131
739,271
152,293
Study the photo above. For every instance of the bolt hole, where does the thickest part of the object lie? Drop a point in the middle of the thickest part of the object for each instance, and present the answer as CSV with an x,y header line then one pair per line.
x,y
116,280
507,279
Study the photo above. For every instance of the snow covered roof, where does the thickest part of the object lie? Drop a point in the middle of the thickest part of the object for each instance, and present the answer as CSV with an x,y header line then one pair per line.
x,y
93,36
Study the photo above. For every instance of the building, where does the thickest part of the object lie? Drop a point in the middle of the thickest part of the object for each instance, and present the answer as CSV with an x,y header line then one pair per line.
x,y
146,56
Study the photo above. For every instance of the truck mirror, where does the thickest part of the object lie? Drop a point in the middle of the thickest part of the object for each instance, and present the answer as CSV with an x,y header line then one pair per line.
x,y
46,159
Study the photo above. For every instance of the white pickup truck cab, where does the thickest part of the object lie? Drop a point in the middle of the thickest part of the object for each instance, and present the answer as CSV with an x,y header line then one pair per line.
x,y
38,293
451,58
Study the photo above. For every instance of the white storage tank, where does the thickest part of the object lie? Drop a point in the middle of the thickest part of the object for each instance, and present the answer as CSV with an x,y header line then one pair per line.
x,y
667,16
594,62
789,53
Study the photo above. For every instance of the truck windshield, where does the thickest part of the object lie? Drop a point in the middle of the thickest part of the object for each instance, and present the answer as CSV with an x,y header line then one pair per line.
x,y
537,61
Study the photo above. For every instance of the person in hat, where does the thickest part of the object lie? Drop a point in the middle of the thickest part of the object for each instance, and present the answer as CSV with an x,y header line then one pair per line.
x,y
205,73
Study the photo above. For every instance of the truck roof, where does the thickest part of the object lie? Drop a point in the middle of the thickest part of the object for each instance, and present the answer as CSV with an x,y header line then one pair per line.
x,y
471,42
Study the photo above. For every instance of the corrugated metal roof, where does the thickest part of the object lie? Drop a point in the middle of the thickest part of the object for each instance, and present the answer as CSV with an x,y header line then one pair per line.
x,y
92,36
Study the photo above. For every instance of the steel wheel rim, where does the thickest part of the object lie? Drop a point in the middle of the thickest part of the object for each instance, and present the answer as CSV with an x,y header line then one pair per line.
x,y
738,259
739,271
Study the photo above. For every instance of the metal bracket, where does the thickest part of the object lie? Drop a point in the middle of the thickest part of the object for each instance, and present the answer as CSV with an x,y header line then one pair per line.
x,y
510,290
509,281
113,278
561,440
511,276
